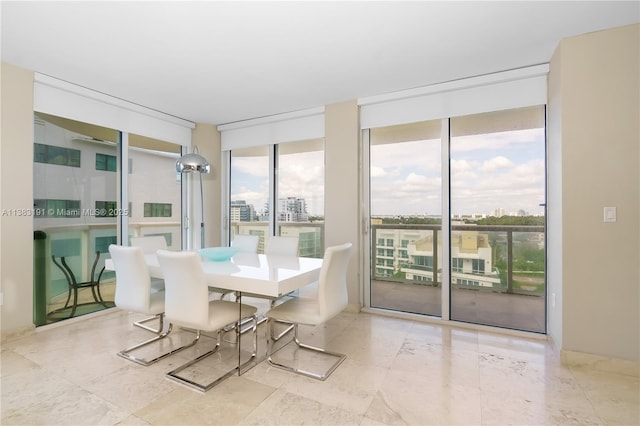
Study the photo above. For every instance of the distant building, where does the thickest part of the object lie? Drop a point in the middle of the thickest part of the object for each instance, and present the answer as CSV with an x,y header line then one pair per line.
x,y
414,253
499,212
292,209
240,211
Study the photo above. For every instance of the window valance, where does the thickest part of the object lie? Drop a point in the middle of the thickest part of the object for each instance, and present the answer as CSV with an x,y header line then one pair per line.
x,y
67,100
294,126
518,88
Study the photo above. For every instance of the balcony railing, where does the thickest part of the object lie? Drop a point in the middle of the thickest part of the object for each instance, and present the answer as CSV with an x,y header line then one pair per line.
x,y
79,243
515,255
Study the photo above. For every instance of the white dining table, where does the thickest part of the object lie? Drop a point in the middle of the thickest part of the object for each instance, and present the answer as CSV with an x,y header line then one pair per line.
x,y
269,276
250,274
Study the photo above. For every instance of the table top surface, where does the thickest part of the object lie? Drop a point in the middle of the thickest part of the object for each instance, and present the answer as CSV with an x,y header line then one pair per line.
x,y
259,274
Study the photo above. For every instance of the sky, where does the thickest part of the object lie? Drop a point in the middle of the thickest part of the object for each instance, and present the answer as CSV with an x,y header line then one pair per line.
x,y
490,171
300,175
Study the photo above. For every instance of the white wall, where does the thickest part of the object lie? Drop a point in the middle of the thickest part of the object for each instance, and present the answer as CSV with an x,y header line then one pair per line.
x,y
594,128
16,193
341,187
554,201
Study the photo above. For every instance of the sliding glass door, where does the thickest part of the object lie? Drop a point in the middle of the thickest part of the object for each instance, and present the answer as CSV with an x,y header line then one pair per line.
x,y
249,196
299,209
406,218
74,216
79,182
279,190
498,219
470,222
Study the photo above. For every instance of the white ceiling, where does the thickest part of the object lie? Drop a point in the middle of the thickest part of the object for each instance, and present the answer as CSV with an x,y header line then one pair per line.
x,y
219,62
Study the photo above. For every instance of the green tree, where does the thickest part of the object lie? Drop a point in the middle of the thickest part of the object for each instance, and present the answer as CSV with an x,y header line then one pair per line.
x,y
512,220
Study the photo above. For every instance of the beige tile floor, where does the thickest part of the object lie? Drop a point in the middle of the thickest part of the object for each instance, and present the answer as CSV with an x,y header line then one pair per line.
x,y
398,372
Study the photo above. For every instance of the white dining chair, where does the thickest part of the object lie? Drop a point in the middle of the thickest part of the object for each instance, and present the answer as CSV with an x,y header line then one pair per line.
x,y
282,246
150,244
331,300
187,305
133,293
246,243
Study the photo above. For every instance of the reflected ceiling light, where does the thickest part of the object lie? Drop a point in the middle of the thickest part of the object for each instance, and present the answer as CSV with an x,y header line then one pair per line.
x,y
195,163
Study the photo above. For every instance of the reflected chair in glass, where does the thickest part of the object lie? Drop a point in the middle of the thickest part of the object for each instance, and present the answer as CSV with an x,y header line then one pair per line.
x,y
133,293
331,300
73,285
282,246
246,243
188,306
150,244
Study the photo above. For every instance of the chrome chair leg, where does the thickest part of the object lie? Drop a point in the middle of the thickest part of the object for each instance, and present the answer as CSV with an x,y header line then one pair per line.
x,y
173,374
283,333
126,353
261,320
142,325
323,376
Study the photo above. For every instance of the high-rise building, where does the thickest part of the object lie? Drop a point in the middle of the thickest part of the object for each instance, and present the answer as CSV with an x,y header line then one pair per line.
x,y
292,209
240,211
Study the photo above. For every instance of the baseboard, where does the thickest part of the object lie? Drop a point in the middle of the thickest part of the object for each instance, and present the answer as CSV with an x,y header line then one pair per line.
x,y
600,363
352,308
18,333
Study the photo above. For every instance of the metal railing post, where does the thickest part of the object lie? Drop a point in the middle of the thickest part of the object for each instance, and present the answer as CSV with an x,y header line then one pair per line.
x,y
509,261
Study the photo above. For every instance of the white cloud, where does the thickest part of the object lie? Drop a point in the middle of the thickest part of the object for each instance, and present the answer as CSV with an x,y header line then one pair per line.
x,y
380,172
417,155
496,163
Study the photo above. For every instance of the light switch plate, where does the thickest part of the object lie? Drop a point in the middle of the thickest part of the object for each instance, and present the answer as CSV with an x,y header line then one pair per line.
x,y
610,214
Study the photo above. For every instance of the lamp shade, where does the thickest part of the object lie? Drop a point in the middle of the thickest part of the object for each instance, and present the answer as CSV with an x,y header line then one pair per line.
x,y
193,163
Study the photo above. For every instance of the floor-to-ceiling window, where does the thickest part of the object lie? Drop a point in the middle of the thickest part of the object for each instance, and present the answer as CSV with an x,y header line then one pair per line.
x,y
494,195
406,217
103,170
279,190
74,216
493,186
249,207
299,206
497,163
483,262
273,173
78,207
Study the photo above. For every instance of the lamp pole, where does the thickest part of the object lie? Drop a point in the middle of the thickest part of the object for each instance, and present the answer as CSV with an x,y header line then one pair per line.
x,y
195,163
201,213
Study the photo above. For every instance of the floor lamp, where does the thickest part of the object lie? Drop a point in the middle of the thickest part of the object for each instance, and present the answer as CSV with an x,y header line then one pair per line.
x,y
195,163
